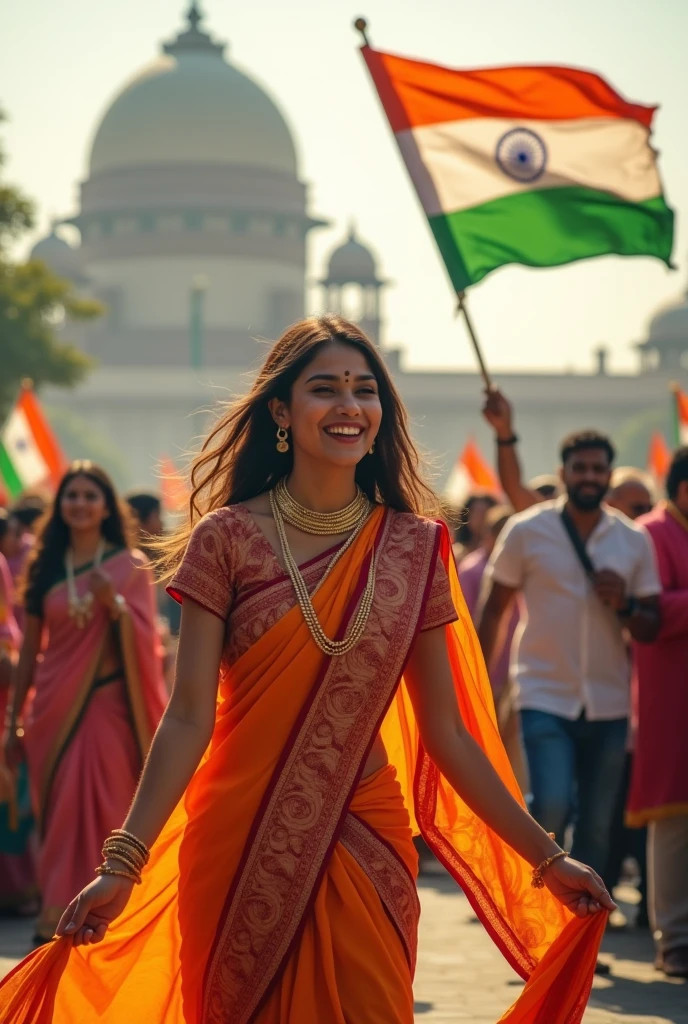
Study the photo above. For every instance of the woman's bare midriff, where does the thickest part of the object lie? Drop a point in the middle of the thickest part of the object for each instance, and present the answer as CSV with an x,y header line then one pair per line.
x,y
377,758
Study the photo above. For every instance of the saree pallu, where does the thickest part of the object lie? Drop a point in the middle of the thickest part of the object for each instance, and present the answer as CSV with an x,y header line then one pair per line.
x,y
86,742
282,889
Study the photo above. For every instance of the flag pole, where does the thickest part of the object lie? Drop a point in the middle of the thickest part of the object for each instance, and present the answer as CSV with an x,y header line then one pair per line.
x,y
361,25
484,372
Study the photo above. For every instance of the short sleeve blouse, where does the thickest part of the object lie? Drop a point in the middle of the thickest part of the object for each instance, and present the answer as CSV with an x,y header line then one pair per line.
x,y
204,574
439,607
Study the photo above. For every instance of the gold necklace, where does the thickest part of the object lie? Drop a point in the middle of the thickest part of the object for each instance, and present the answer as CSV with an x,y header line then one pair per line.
x,y
333,648
80,608
322,524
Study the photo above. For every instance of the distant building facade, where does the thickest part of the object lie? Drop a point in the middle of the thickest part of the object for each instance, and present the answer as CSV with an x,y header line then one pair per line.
x,y
194,225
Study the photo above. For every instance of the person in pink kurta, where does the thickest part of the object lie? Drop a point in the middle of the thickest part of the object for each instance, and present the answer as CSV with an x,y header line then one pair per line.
x,y
98,689
659,786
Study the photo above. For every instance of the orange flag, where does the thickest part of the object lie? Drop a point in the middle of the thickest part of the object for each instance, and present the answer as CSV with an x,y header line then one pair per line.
x,y
175,490
658,457
471,474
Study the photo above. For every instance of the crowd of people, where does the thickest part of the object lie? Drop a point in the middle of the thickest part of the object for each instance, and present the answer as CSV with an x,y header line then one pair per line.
x,y
578,591
577,584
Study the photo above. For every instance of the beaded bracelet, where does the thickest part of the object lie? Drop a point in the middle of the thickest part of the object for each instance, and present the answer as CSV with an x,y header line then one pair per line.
x,y
123,836
537,881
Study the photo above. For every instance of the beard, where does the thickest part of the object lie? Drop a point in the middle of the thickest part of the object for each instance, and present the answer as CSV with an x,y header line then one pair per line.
x,y
586,499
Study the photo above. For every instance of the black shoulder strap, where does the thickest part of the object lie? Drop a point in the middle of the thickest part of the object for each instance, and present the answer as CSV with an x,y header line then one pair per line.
x,y
578,545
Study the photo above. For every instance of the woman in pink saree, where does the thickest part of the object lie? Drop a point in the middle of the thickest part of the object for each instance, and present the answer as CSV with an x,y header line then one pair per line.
x,y
91,654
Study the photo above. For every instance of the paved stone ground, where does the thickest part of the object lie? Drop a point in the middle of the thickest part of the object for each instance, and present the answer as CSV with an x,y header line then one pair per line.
x,y
461,977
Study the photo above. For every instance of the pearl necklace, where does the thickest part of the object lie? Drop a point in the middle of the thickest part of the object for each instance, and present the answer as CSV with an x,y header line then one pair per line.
x,y
322,524
333,648
80,608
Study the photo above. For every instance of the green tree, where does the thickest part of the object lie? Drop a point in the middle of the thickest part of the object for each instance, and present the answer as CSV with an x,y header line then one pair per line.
x,y
34,303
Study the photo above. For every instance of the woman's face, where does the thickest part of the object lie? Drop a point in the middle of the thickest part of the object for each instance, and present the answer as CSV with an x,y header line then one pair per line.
x,y
83,505
335,412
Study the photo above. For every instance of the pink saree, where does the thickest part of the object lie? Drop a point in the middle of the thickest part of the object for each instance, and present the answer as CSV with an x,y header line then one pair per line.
x,y
86,743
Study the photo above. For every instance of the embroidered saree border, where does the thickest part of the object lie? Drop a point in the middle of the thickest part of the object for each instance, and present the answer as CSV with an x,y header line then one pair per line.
x,y
393,882
65,735
303,811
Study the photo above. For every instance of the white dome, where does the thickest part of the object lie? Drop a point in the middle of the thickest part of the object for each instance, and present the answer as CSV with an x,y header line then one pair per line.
x,y
351,262
670,323
191,106
58,255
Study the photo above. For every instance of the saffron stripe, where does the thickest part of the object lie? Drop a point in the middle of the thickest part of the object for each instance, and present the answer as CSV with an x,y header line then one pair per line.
x,y
45,439
416,93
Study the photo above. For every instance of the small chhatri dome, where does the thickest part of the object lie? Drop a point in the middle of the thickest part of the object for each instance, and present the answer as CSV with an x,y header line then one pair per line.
x,y
666,346
352,262
58,255
191,106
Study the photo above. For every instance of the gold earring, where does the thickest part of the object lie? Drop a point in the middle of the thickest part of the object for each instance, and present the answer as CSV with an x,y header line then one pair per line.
x,y
282,443
371,450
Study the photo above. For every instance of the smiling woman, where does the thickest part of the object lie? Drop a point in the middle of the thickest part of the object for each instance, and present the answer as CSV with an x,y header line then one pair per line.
x,y
330,701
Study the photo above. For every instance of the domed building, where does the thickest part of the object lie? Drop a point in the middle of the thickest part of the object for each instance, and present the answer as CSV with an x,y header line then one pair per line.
x,y
193,218
352,286
666,347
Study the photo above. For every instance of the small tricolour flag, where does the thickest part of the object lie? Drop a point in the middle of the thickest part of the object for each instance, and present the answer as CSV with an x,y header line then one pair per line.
x,y
471,474
175,489
658,458
680,416
533,165
30,454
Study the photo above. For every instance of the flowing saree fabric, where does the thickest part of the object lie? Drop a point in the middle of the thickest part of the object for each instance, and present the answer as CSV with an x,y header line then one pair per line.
x,y
86,743
280,885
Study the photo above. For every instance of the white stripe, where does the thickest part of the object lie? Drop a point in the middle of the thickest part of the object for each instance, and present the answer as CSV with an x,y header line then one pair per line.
x,y
20,445
683,433
459,485
454,165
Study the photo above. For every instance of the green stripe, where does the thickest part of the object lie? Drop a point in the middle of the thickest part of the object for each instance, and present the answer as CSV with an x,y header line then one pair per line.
x,y
9,474
547,228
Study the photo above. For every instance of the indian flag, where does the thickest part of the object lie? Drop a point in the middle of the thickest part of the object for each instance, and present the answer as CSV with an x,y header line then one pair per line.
x,y
681,416
30,455
471,474
531,165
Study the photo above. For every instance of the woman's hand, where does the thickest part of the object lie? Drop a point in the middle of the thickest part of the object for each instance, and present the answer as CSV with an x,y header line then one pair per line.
x,y
102,588
88,916
578,887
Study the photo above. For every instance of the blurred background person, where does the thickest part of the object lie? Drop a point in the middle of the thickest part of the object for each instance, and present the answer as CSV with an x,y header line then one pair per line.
x,y
631,491
572,668
18,889
98,691
146,509
659,787
468,535
471,576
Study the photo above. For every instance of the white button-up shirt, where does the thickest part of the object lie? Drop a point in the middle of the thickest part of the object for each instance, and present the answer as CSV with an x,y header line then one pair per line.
x,y
569,654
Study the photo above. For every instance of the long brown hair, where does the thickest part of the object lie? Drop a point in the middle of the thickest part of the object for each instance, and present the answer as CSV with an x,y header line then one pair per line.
x,y
46,562
239,459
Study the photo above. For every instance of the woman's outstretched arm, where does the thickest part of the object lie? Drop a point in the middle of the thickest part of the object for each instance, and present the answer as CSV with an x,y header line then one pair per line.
x,y
181,739
465,766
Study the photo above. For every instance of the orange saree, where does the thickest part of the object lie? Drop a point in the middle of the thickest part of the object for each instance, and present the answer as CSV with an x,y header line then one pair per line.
x,y
282,888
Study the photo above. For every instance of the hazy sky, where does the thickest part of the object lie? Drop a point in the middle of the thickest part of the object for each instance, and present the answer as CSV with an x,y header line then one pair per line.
x,y
61,63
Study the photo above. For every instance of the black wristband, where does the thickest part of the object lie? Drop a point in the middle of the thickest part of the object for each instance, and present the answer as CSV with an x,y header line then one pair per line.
x,y
628,609
507,442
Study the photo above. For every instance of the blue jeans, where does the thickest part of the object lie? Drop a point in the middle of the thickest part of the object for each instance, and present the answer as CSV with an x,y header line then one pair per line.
x,y
576,765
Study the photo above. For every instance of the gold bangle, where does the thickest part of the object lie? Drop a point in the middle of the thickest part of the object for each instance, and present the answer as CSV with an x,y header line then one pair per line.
x,y
122,835
105,869
124,858
537,881
120,844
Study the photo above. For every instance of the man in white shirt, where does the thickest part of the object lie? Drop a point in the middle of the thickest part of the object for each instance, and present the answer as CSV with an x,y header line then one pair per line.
x,y
585,573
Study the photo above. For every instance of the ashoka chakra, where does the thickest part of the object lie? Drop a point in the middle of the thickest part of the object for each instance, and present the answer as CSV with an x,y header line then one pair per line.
x,y
522,154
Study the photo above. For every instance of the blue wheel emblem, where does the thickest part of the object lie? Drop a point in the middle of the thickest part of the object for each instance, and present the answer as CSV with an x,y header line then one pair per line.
x,y
522,154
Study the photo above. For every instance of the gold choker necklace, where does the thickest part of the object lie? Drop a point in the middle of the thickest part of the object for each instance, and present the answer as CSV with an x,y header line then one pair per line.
x,y
333,648
322,524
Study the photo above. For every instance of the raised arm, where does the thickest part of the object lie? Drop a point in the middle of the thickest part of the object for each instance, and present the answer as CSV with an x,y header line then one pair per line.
x,y
499,414
466,767
496,600
182,737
